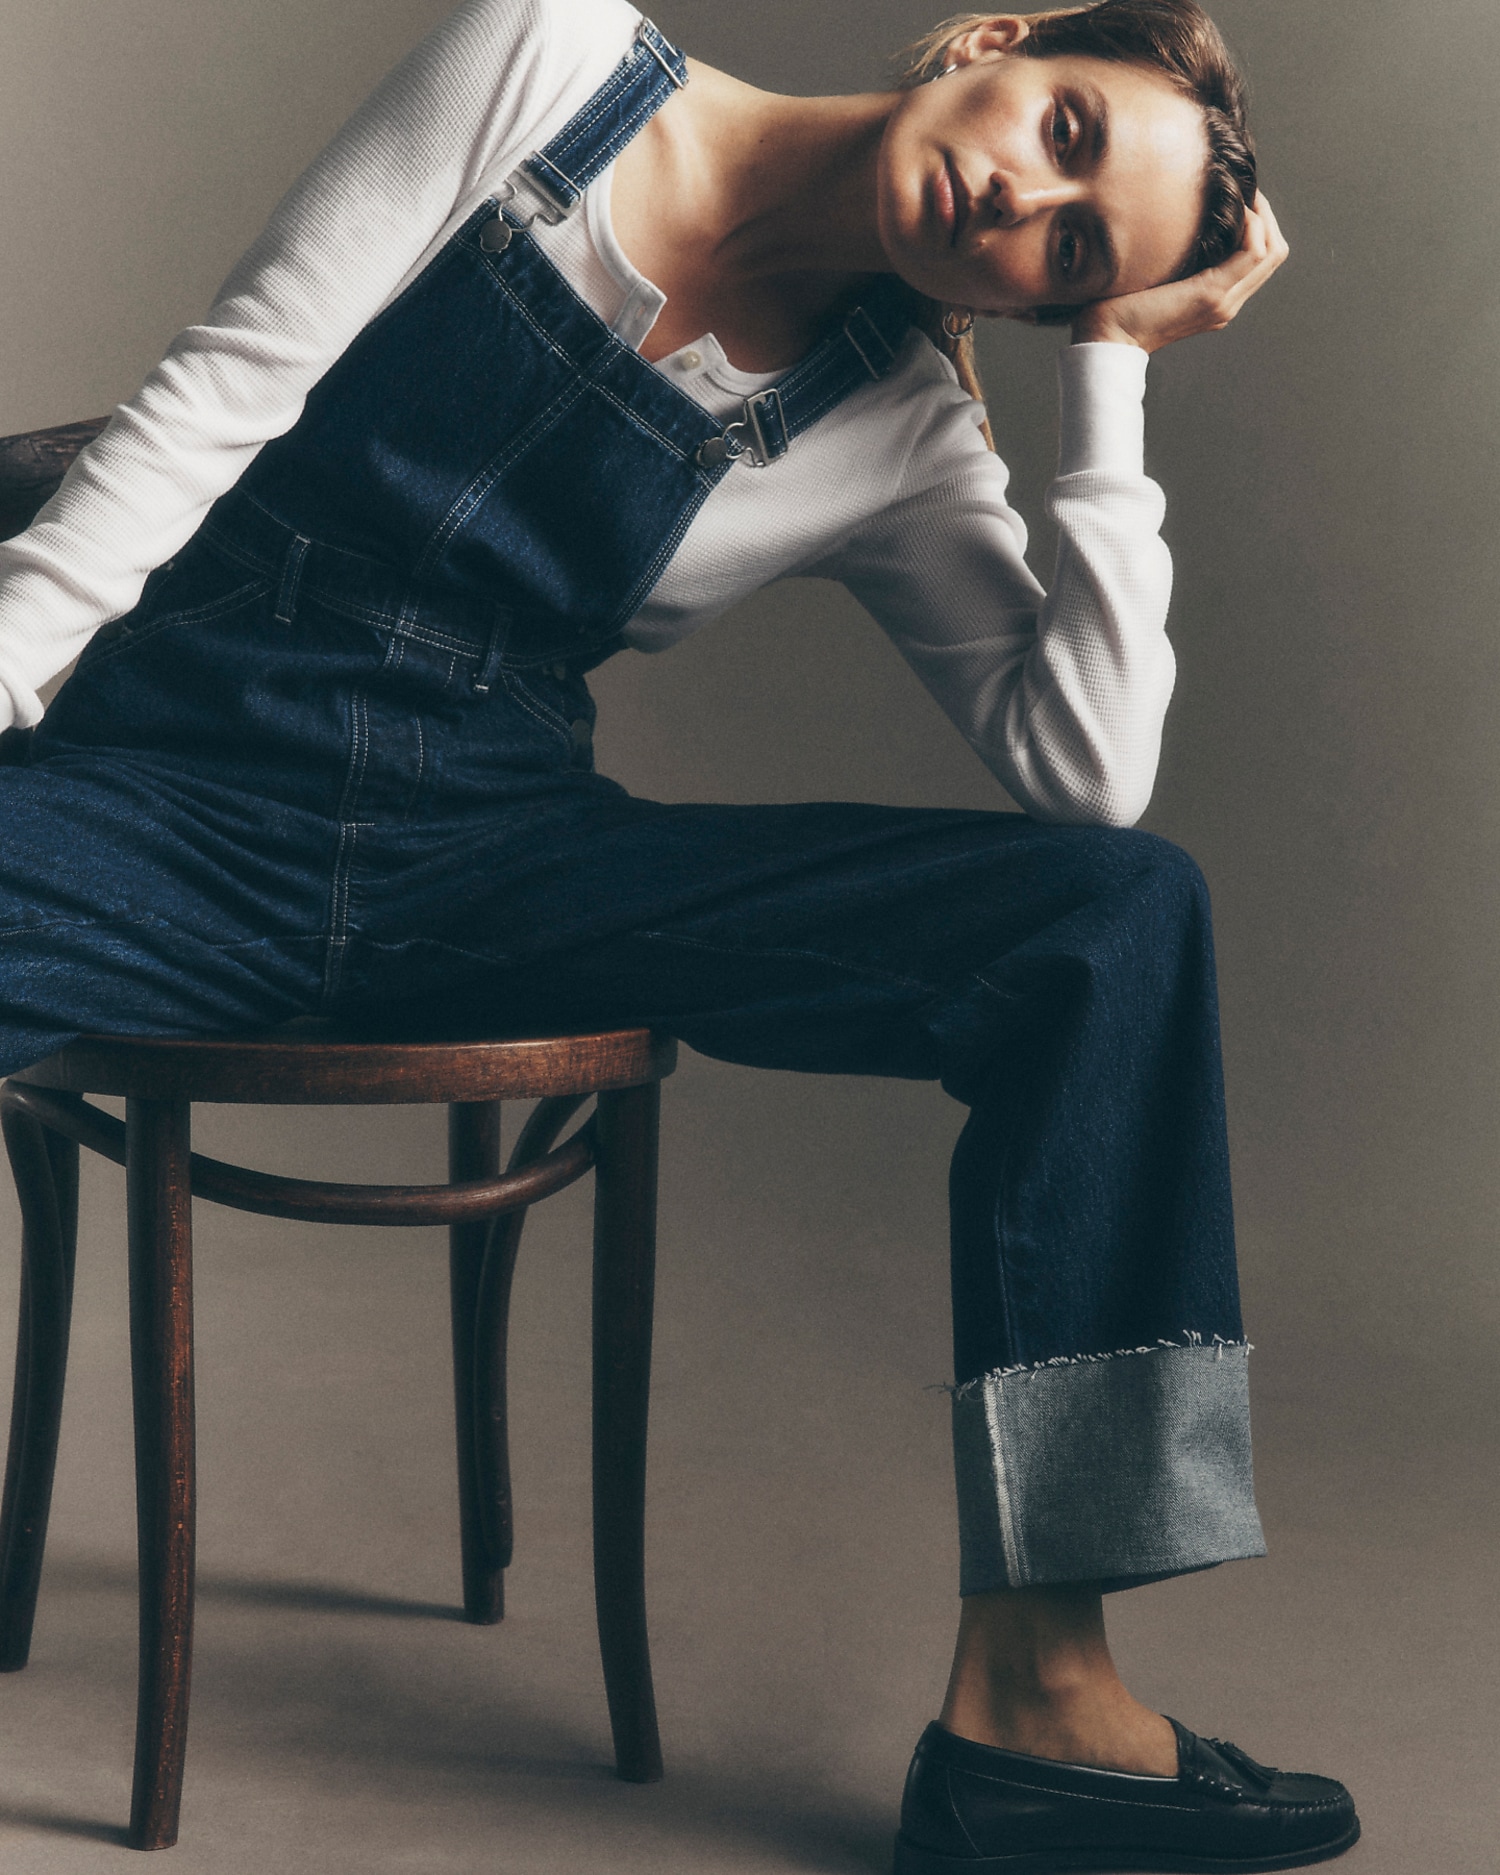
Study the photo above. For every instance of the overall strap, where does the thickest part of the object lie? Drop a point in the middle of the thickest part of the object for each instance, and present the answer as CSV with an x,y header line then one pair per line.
x,y
553,180
555,177
864,347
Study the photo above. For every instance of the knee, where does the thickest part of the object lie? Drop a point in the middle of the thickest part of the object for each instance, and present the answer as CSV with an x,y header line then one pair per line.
x,y
1138,882
1125,859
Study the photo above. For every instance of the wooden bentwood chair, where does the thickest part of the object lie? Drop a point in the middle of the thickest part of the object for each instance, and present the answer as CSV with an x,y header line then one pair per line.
x,y
46,1119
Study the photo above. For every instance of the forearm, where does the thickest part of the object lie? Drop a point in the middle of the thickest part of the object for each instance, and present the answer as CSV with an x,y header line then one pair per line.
x,y
336,249
1060,692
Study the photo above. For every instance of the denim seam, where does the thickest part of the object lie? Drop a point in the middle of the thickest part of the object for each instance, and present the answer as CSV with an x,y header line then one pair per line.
x,y
614,92
160,924
471,497
640,114
338,910
687,514
338,902
228,548
756,950
154,924
395,622
191,615
359,748
554,725
491,266
291,579
494,959
585,373
525,695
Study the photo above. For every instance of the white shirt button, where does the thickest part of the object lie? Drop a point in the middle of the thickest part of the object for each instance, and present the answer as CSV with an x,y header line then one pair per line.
x,y
690,360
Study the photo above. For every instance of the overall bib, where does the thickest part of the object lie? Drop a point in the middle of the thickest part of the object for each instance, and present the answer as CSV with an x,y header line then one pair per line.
x,y
338,760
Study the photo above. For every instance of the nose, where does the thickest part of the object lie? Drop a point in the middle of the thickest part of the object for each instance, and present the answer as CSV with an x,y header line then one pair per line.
x,y
1018,198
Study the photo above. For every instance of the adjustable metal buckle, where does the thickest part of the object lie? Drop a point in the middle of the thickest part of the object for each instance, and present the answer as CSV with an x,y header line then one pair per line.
x,y
649,35
758,438
495,236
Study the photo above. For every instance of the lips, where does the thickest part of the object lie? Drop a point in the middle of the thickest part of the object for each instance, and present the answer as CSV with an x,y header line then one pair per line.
x,y
954,201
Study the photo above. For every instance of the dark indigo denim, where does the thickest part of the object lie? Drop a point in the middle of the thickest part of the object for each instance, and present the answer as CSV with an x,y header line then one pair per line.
x,y
337,760
232,817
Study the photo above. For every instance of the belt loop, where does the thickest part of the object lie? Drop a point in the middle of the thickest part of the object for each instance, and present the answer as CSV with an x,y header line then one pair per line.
x,y
291,579
489,666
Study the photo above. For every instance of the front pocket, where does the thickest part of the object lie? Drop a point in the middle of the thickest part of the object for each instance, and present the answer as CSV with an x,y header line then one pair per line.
x,y
145,623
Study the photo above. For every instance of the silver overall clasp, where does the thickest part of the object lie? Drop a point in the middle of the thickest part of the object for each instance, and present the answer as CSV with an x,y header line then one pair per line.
x,y
758,437
495,236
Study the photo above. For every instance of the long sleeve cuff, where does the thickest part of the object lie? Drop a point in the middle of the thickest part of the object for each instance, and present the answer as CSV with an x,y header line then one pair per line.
x,y
1103,427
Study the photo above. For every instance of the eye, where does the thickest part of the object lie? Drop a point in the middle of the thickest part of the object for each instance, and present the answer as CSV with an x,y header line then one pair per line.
x,y
1069,254
1064,131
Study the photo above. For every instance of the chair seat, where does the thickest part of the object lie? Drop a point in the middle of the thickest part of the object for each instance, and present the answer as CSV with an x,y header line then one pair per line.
x,y
314,1063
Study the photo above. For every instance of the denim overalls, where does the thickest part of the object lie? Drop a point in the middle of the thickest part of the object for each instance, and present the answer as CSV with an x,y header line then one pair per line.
x,y
338,760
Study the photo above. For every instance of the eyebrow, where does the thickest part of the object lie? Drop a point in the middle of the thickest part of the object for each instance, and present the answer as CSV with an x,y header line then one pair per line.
x,y
1097,107
1100,236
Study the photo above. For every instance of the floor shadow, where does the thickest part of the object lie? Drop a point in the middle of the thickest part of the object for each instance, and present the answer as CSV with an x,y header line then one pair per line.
x,y
345,1712
324,1598
320,1598
57,1823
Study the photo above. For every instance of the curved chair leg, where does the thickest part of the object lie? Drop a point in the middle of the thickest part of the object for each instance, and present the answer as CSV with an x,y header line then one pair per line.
x,y
624,1274
45,1166
159,1202
474,1153
482,1264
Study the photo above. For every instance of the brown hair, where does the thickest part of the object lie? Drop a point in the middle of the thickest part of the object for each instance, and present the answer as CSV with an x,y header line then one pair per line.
x,y
1173,37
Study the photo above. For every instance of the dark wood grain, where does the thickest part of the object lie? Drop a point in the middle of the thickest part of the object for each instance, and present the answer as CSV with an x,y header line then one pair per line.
x,y
473,1154
309,1069
491,1336
47,1117
159,1208
624,1287
31,467
45,1167
310,1200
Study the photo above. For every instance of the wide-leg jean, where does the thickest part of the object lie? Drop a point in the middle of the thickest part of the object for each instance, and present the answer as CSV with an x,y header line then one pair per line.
x,y
251,804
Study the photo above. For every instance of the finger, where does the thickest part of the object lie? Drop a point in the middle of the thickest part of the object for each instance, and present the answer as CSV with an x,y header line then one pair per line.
x,y
1266,215
1262,251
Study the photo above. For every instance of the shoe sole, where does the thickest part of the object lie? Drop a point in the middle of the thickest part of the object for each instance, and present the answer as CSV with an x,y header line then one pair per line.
x,y
911,1860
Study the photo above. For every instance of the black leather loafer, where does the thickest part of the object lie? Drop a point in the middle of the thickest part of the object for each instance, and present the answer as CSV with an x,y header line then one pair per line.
x,y
969,1809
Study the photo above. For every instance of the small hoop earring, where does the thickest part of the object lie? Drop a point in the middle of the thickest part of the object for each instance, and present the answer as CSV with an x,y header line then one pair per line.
x,y
943,71
957,324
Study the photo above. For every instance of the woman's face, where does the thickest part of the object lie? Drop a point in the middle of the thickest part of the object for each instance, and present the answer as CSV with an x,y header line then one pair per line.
x,y
1018,182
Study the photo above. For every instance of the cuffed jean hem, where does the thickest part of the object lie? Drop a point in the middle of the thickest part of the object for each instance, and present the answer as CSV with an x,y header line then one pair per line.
x,y
1119,1469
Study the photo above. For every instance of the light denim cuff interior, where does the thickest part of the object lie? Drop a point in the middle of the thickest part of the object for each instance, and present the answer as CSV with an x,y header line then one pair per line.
x,y
1121,1469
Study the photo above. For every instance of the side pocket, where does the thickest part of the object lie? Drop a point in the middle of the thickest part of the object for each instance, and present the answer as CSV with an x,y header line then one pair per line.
x,y
147,622
562,704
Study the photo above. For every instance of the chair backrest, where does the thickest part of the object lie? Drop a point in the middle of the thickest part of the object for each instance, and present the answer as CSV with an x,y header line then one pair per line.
x,y
32,466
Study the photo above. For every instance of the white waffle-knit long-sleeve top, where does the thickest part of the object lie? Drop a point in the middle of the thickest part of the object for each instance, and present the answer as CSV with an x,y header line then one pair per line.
x,y
1061,693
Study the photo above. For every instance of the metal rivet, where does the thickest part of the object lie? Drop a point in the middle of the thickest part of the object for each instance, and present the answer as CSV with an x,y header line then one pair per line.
x,y
560,672
494,236
581,733
713,452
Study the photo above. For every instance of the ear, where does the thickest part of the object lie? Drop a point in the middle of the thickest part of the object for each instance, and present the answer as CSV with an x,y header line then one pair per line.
x,y
990,39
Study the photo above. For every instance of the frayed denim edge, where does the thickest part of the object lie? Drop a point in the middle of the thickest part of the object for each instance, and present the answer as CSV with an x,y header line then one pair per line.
x,y
1190,1339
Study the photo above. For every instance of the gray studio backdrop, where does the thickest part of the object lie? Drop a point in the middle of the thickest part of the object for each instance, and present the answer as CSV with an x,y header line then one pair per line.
x,y
1331,760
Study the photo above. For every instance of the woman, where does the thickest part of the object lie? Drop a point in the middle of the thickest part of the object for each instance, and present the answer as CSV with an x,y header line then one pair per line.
x,y
564,344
